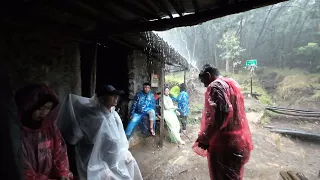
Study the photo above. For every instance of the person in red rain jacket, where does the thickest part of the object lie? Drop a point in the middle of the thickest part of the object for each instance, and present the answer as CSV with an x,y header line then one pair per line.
x,y
224,137
44,150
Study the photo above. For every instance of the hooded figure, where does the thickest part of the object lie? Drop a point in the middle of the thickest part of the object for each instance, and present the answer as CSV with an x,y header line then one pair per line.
x,y
44,151
95,129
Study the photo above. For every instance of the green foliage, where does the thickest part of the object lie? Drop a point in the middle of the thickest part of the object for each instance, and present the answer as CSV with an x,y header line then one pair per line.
x,y
230,46
309,50
174,79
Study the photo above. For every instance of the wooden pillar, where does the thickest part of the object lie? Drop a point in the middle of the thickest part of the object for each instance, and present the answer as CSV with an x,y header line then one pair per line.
x,y
162,104
94,70
185,76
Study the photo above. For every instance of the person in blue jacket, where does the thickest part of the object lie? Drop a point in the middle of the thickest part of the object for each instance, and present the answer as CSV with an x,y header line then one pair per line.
x,y
183,106
144,104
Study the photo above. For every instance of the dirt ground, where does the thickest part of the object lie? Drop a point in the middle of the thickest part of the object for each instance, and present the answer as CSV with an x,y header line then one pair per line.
x,y
272,153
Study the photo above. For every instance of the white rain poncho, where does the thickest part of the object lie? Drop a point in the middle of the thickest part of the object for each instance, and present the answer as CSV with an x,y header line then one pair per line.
x,y
101,146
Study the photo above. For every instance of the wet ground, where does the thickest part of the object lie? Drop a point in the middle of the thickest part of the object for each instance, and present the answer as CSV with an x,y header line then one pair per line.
x,y
272,153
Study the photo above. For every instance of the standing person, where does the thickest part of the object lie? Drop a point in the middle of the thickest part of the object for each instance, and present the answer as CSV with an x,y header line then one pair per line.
x,y
44,151
144,104
170,117
183,106
224,136
96,130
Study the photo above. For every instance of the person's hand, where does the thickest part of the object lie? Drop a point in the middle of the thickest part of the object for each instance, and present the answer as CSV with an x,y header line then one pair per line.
x,y
178,113
64,178
129,157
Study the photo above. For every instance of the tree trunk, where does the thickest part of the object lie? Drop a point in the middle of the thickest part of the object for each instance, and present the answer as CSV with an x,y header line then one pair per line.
x,y
227,66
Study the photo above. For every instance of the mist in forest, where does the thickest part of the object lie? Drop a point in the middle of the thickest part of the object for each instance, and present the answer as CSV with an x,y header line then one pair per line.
x,y
284,35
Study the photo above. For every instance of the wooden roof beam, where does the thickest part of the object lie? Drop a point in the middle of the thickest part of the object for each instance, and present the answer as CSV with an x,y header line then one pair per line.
x,y
150,5
165,9
176,7
196,6
194,19
135,9
100,8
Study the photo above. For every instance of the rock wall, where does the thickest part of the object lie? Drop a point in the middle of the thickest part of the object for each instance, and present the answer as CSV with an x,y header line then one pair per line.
x,y
39,57
140,69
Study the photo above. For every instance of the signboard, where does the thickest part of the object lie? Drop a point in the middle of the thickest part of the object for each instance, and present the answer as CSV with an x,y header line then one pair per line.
x,y
155,80
251,62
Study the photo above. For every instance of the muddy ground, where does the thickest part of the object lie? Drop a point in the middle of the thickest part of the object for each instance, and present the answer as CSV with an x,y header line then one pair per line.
x,y
272,153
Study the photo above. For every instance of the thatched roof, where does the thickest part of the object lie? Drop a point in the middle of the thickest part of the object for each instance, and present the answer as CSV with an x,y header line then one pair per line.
x,y
97,18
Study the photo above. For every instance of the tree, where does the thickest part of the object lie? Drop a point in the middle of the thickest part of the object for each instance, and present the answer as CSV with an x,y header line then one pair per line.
x,y
231,49
310,52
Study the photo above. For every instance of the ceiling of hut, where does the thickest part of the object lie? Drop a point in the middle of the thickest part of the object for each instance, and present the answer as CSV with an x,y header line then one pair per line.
x,y
101,17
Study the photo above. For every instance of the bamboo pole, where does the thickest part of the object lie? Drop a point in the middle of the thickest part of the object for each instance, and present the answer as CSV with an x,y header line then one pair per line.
x,y
162,104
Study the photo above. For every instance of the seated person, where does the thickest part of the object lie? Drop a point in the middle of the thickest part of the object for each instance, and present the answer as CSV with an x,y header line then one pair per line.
x,y
170,116
96,130
144,104
183,106
44,151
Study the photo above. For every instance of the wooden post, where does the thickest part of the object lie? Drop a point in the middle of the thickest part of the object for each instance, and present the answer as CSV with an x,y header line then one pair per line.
x,y
162,104
184,75
251,87
94,69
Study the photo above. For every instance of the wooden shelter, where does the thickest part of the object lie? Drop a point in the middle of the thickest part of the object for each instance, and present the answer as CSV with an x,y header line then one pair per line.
x,y
98,19
94,22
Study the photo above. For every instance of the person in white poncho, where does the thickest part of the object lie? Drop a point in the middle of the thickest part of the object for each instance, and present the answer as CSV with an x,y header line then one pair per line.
x,y
96,130
170,116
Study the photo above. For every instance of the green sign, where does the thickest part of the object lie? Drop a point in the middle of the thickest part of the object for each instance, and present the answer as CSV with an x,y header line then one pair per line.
x,y
252,62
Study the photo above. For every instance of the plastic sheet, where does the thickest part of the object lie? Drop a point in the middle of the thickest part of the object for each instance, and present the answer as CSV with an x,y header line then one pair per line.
x,y
100,143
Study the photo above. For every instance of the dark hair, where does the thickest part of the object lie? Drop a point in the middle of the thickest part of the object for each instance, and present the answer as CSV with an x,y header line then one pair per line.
x,y
146,84
33,96
211,69
183,87
101,90
207,68
166,87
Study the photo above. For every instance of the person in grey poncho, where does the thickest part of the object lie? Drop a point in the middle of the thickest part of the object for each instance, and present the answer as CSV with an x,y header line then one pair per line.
x,y
96,130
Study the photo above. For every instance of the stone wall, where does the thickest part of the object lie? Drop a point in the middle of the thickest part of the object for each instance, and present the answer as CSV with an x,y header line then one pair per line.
x,y
140,69
39,57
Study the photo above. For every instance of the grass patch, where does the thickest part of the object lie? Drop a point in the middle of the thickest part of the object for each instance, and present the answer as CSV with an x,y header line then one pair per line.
x,y
243,78
266,118
299,86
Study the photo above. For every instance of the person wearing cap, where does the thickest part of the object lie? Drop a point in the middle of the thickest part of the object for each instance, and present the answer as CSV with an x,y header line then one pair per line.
x,y
96,131
144,105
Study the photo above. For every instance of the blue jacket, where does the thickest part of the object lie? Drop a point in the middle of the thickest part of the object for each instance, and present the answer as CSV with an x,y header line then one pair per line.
x,y
183,103
143,103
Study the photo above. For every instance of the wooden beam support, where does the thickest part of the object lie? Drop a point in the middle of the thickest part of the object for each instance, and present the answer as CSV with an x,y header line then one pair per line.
x,y
196,6
134,8
176,7
150,5
164,8
192,19
162,104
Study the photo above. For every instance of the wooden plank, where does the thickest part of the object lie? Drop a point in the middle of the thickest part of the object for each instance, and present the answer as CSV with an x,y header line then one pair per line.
x,y
293,175
302,176
285,175
162,103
